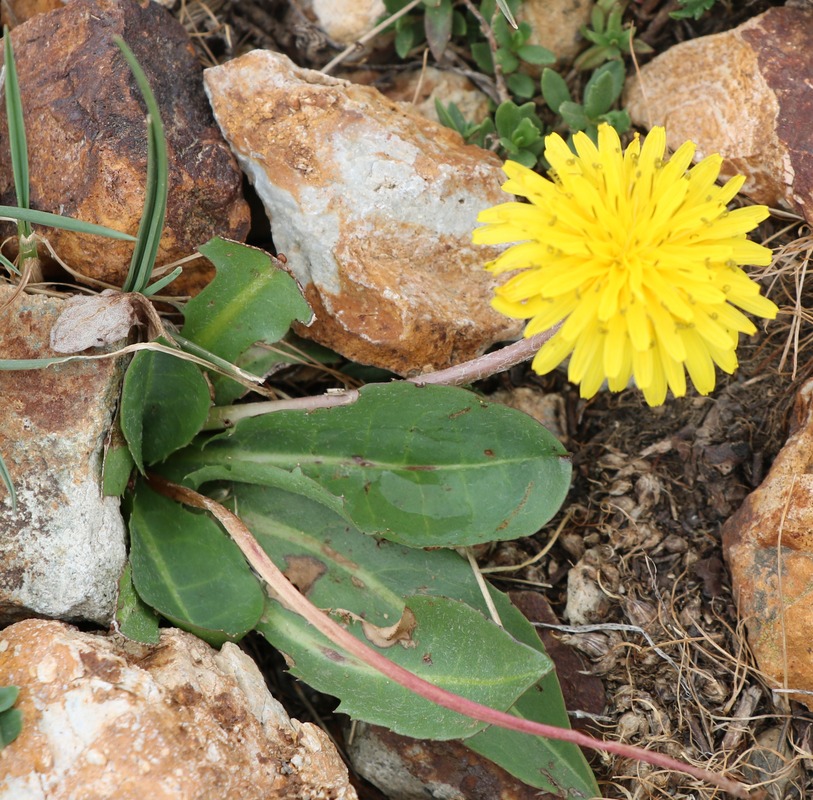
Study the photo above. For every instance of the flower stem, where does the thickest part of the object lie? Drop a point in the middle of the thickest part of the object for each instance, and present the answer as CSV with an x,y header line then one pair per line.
x,y
457,375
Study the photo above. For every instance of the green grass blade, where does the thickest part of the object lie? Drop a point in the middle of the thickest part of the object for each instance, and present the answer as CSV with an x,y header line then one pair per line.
x,y
66,223
16,131
4,474
8,265
155,200
160,284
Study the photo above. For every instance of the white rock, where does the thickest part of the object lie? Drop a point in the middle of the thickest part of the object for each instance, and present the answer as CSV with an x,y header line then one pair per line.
x,y
107,718
63,550
373,206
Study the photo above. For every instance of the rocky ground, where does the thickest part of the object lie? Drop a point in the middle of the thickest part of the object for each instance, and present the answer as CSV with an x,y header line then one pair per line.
x,y
633,567
634,562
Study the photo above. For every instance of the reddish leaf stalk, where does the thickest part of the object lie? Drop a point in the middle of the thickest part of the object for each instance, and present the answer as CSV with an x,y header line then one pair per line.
x,y
282,590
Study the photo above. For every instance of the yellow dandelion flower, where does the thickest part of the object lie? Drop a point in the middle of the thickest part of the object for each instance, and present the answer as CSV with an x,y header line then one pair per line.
x,y
638,257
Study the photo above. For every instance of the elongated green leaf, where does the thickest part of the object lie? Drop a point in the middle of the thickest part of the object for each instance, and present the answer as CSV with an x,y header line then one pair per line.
x,y
424,466
338,566
9,484
134,618
190,571
341,569
16,129
250,300
65,223
164,403
157,186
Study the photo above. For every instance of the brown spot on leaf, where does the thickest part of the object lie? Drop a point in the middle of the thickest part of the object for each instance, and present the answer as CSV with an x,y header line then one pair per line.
x,y
304,571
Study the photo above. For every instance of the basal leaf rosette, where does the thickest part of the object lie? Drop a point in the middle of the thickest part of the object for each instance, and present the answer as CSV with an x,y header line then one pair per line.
x,y
639,258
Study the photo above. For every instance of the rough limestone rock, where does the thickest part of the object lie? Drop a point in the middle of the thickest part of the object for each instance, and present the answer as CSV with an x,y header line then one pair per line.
x,y
373,205
768,545
62,551
556,24
744,94
108,718
85,123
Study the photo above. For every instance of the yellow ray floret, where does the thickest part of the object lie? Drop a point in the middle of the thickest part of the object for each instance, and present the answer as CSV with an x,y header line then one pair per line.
x,y
638,257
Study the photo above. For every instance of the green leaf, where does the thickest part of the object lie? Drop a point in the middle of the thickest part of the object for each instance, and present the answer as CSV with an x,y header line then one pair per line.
x,y
438,27
65,223
535,54
358,573
117,468
9,484
249,300
574,116
428,466
16,129
620,120
521,85
190,571
405,36
481,53
165,401
554,89
134,618
11,724
155,195
598,96
8,697
357,577
615,69
507,60
507,117
525,157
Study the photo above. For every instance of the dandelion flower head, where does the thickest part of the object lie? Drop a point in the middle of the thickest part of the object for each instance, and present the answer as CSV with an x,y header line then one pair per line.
x,y
638,257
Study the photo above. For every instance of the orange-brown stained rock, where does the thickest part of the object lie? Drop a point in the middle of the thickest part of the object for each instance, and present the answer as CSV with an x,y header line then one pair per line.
x,y
373,206
769,547
107,718
85,123
62,551
744,94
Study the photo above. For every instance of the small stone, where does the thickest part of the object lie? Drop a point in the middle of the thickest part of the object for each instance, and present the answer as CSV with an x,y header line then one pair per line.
x,y
767,544
106,717
373,206
586,603
346,21
744,94
87,139
556,24
422,87
546,408
62,551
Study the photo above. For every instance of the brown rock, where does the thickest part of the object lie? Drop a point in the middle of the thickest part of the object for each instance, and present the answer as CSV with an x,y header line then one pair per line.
x,y
744,94
85,123
767,544
108,718
62,551
373,205
15,12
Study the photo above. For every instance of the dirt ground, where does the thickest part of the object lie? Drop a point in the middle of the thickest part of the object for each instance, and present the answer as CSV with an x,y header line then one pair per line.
x,y
652,488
